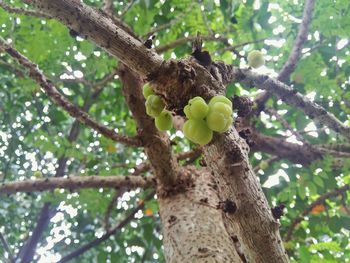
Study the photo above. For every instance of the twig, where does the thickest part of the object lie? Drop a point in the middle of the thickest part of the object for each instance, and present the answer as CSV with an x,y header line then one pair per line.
x,y
111,206
7,248
308,209
22,11
126,9
184,40
61,101
76,182
108,7
285,124
169,24
27,251
294,56
108,234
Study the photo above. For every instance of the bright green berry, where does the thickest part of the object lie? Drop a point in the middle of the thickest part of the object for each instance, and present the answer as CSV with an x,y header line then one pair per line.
x,y
187,112
197,131
198,108
147,90
154,105
216,121
220,98
255,59
263,165
164,121
222,108
38,174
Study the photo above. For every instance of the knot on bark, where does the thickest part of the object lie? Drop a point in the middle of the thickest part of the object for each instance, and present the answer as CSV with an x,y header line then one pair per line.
x,y
243,105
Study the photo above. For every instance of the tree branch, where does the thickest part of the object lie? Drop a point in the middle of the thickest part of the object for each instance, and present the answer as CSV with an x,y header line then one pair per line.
x,y
289,96
26,253
61,101
111,206
307,210
22,11
108,7
107,235
7,248
77,182
294,56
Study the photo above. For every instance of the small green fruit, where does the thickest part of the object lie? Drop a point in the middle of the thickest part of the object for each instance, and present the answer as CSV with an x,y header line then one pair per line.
x,y
164,121
38,174
147,90
222,108
255,59
154,105
263,165
220,98
198,108
197,131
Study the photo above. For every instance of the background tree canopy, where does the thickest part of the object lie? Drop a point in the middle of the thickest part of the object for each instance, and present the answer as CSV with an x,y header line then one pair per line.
x,y
300,162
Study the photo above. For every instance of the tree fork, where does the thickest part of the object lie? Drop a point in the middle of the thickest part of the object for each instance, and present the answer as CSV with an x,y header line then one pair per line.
x,y
190,79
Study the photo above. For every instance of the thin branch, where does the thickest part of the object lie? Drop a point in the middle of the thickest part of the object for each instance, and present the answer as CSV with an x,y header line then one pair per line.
x,y
22,11
27,251
126,9
308,209
60,100
205,18
170,23
7,248
294,56
107,235
77,182
184,40
108,7
111,206
285,124
289,96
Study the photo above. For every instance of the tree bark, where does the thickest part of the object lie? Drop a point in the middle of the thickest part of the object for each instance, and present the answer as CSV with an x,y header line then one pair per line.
x,y
193,226
176,82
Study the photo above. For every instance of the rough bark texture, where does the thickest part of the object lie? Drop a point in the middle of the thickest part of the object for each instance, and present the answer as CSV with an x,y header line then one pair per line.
x,y
77,182
193,226
157,144
257,230
176,82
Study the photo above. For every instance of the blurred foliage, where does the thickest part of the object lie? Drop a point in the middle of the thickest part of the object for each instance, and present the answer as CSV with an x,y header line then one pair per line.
x,y
34,133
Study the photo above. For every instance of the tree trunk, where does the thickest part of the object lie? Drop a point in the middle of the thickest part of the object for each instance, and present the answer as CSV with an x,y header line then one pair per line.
x,y
193,226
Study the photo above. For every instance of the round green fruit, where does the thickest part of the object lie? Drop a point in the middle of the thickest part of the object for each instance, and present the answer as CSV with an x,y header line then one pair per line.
x,y
154,105
198,108
220,98
255,59
222,108
218,122
38,174
187,112
164,121
197,131
147,90
263,165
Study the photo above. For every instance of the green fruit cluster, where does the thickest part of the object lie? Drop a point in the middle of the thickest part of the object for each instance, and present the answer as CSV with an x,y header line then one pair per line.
x,y
255,59
205,118
155,108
